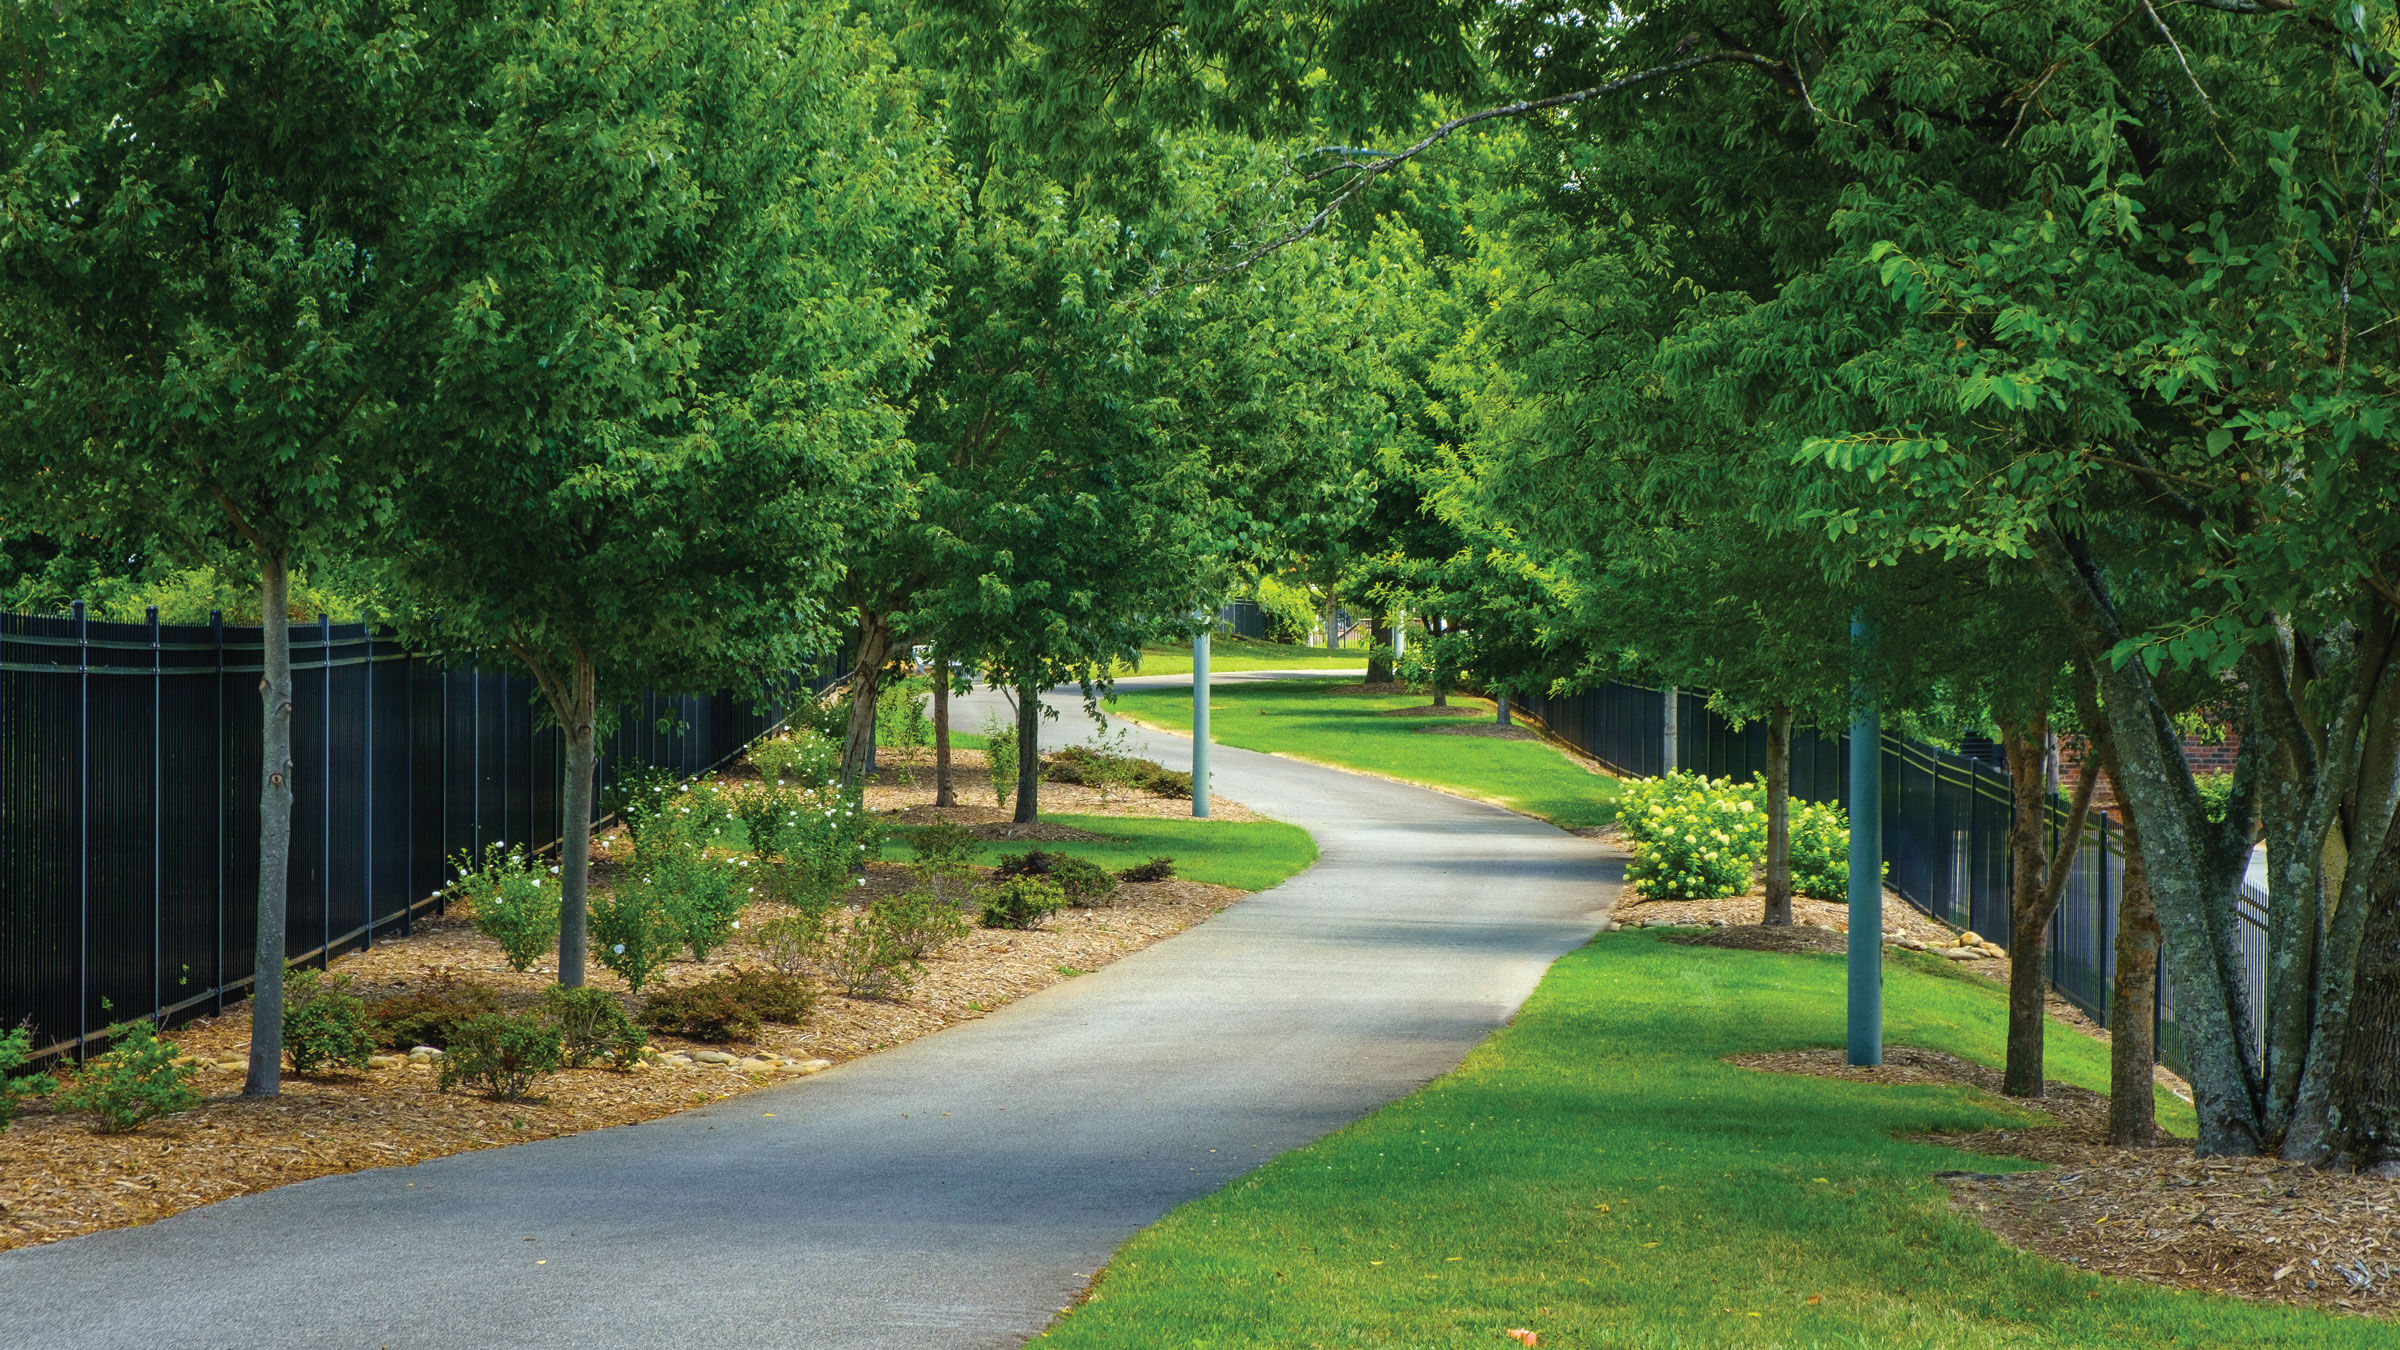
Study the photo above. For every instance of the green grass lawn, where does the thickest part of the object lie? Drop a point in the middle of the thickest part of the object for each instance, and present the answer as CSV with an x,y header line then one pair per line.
x,y
1299,717
1596,1174
1246,855
1243,654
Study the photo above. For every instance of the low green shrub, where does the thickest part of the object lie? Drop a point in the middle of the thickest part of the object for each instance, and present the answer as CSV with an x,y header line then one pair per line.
x,y
945,858
324,1024
728,1007
514,901
700,895
1087,884
793,943
868,960
503,1055
1820,850
1157,869
1693,838
633,932
1000,754
1021,902
592,1025
801,758
135,1082
921,922
636,793
16,1047
767,811
900,721
429,1014
833,836
1110,770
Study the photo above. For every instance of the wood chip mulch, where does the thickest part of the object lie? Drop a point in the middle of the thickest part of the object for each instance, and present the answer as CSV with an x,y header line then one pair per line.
x,y
903,795
60,1178
1490,729
2255,1228
1795,939
1436,710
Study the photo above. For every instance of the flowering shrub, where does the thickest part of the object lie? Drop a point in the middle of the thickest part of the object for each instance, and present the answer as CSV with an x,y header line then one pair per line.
x,y
514,900
1820,850
1693,838
797,758
632,931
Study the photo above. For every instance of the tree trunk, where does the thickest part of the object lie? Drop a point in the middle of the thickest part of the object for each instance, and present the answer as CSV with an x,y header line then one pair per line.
x,y
2133,1005
274,828
1779,817
1379,657
866,680
2029,923
1333,633
1029,753
1441,682
943,793
579,720
2363,1119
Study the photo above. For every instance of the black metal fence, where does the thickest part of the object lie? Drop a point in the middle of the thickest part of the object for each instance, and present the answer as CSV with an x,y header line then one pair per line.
x,y
1945,828
129,800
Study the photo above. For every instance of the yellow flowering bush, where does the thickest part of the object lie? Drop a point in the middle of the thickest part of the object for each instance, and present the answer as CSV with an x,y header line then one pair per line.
x,y
1820,850
1693,838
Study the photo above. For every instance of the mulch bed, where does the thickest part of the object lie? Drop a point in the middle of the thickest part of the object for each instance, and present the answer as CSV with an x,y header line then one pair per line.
x,y
1795,939
1491,729
1435,710
2255,1228
903,795
1379,689
61,1178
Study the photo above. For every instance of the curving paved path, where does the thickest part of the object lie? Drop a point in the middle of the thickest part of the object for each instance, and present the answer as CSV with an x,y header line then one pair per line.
x,y
955,1191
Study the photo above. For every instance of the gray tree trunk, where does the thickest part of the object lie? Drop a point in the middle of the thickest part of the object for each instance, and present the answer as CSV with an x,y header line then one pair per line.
x,y
1779,817
2133,1001
580,721
1029,753
943,793
2363,1122
1379,661
2192,886
2028,919
866,681
274,829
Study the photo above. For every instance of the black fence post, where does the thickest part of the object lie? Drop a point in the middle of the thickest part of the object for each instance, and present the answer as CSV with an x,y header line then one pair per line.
x,y
216,637
325,786
83,831
2102,921
366,815
158,853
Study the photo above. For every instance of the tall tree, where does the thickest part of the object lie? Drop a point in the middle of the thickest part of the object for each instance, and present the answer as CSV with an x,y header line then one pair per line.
x,y
215,223
692,296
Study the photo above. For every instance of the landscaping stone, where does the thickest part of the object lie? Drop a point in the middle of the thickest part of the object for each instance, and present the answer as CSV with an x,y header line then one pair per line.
x,y
386,1061
713,1057
427,1051
813,1066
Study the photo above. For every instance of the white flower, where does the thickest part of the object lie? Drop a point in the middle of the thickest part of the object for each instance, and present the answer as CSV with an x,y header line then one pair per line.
x,y
619,949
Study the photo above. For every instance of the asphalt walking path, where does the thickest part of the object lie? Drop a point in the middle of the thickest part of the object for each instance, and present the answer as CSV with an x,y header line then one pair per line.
x,y
954,1191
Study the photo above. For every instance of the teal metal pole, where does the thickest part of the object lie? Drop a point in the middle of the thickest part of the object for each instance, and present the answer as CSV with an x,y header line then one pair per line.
x,y
1200,725
1866,856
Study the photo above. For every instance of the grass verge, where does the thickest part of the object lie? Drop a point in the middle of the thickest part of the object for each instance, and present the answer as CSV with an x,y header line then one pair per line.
x,y
1302,718
1246,855
1594,1173
1227,654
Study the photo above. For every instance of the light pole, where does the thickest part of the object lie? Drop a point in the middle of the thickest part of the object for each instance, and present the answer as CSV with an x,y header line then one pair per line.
x,y
1866,852
1200,718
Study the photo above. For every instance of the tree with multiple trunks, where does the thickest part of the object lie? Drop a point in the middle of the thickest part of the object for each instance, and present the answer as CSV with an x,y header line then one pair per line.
x,y
691,295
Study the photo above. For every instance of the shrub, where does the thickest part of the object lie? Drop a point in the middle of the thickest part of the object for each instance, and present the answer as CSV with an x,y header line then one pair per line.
x,y
1111,769
921,922
700,897
137,1081
1820,850
728,1007
16,1089
1021,902
591,1025
833,835
324,1024
430,1014
1086,883
943,845
636,793
514,904
1157,869
1693,838
796,941
1000,752
502,1055
632,931
767,811
2216,794
798,758
900,722
867,959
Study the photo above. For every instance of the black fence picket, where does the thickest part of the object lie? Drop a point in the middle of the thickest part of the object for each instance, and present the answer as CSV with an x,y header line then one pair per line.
x,y
1945,829
129,800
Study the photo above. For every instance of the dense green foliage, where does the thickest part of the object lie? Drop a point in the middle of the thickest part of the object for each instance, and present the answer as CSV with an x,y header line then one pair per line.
x,y
501,1054
135,1081
325,1025
16,1087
